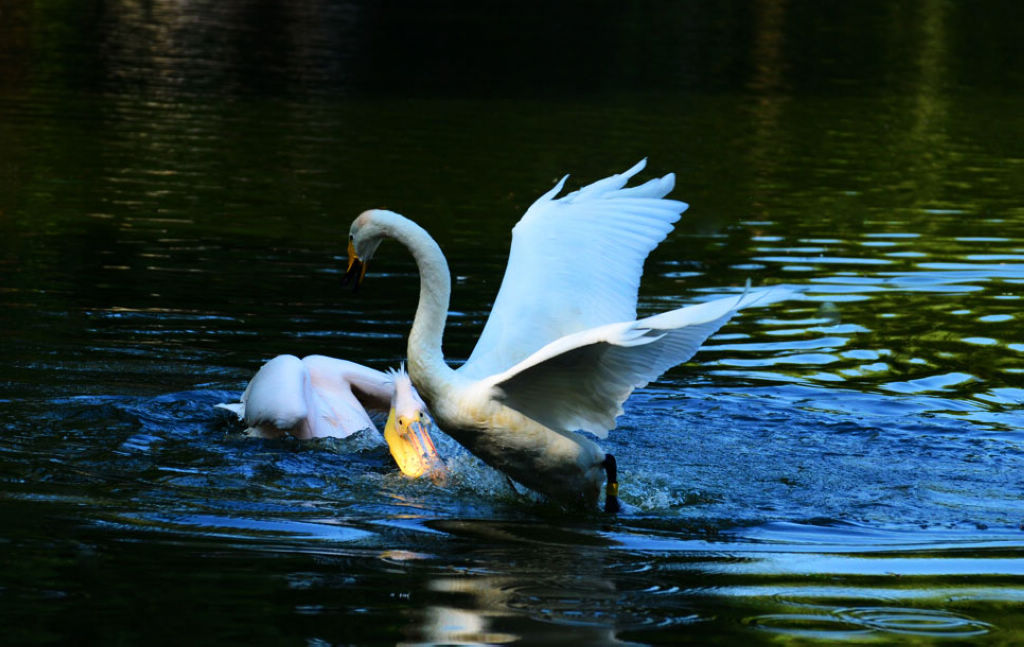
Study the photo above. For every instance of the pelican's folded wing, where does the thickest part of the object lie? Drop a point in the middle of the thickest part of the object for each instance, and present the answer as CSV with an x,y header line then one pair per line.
x,y
339,390
574,264
302,398
337,414
341,378
581,381
277,397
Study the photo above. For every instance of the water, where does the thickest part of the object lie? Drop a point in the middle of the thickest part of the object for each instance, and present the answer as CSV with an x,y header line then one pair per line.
x,y
176,181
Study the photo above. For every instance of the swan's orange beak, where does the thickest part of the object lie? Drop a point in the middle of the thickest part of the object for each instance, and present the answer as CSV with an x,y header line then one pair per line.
x,y
356,269
411,447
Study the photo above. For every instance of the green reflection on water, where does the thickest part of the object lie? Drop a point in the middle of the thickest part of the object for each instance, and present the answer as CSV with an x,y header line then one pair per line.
x,y
175,184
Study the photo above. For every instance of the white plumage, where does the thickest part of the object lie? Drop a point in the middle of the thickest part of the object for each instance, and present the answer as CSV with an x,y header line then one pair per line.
x,y
324,397
562,349
575,263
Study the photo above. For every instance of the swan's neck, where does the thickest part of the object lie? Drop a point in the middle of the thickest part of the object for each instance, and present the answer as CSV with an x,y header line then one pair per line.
x,y
425,357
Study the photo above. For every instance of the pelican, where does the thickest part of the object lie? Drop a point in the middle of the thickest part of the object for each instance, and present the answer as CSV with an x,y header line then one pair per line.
x,y
562,348
324,397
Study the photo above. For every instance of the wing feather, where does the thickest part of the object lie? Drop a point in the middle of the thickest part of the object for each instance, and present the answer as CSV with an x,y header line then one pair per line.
x,y
311,398
575,263
581,381
277,397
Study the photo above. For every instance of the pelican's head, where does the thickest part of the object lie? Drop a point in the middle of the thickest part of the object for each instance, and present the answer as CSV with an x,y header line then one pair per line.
x,y
407,431
364,237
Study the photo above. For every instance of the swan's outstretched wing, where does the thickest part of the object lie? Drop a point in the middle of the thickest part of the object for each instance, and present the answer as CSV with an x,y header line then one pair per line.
x,y
581,381
575,264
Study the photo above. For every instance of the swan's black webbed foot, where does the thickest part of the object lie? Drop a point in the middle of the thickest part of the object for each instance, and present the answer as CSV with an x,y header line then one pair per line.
x,y
611,489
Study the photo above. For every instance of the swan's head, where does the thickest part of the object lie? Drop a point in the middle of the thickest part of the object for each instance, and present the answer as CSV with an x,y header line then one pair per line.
x,y
364,237
407,431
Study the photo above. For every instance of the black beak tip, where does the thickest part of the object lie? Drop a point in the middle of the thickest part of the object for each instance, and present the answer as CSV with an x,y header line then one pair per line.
x,y
353,276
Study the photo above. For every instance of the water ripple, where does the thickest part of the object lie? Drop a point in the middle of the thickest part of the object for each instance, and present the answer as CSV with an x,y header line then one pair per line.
x,y
859,623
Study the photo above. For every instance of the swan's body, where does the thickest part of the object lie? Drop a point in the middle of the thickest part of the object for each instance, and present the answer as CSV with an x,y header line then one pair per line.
x,y
562,349
324,397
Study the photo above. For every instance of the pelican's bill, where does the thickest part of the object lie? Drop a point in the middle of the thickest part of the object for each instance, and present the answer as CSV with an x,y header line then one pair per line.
x,y
411,446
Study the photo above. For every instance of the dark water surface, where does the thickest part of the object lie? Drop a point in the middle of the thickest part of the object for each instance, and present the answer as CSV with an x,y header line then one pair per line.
x,y
176,182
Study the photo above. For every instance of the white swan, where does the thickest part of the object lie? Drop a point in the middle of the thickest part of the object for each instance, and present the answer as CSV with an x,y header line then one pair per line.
x,y
562,349
322,397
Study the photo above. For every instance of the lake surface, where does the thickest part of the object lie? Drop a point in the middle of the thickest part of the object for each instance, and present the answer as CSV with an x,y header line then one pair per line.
x,y
176,184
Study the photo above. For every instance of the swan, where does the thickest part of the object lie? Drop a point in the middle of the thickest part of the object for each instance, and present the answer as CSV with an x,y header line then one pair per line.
x,y
324,397
561,349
